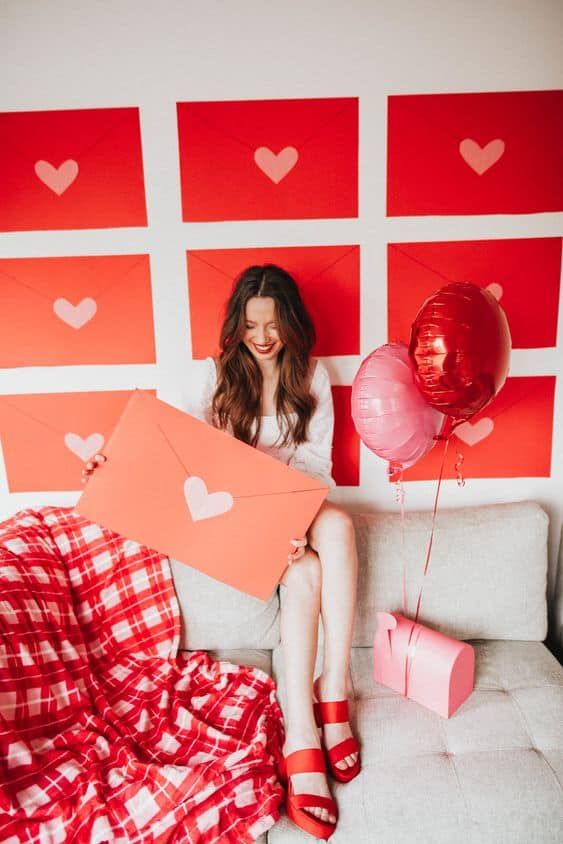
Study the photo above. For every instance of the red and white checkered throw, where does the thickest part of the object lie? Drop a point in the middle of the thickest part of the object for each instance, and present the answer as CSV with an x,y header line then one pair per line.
x,y
107,733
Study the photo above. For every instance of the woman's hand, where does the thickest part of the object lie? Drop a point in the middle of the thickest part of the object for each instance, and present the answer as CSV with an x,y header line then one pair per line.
x,y
91,465
301,545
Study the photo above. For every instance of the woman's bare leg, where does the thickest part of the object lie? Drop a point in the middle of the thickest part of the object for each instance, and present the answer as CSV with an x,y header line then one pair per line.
x,y
300,605
332,536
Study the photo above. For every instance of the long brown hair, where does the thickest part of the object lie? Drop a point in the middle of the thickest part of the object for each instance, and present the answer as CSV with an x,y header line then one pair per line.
x,y
237,400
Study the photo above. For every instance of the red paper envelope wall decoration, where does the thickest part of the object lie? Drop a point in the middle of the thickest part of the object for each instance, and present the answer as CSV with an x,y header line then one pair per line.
x,y
346,449
328,278
71,169
46,438
511,438
481,153
83,310
269,159
199,495
523,275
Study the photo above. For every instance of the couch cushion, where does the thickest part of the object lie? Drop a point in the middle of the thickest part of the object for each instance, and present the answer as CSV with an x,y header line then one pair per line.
x,y
491,772
486,578
215,615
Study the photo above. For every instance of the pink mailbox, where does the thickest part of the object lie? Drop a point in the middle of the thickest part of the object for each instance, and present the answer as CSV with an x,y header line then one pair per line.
x,y
439,671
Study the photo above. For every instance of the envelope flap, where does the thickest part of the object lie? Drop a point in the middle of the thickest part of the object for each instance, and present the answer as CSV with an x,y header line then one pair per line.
x,y
437,263
73,276
261,122
226,262
66,133
308,262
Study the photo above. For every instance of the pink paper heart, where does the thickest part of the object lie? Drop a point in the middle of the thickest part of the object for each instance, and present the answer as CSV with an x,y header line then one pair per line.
x,y
276,167
472,433
481,158
496,290
203,504
75,315
84,448
57,178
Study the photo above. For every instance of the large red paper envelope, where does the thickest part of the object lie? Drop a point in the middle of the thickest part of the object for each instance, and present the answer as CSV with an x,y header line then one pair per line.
x,y
269,159
46,438
199,495
328,278
479,153
83,310
71,169
511,438
523,275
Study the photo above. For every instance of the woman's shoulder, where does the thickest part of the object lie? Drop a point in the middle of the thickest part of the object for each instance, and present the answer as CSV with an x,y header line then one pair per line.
x,y
210,377
212,365
318,374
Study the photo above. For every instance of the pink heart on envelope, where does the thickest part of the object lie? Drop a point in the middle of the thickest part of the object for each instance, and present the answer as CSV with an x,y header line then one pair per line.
x,y
75,315
57,178
481,158
84,448
276,167
203,504
473,433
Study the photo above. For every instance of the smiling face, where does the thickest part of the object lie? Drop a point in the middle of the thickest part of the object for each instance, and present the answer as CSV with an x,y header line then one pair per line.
x,y
261,335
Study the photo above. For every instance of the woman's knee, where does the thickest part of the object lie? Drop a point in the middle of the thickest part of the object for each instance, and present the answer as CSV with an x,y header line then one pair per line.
x,y
331,521
305,573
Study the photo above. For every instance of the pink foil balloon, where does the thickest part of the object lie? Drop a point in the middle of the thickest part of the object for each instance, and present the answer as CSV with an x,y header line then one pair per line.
x,y
390,414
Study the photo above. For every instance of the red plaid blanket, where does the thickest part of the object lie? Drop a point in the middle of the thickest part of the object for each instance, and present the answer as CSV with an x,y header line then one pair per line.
x,y
107,733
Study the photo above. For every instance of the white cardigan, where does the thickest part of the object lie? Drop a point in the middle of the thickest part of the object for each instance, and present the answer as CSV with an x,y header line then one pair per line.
x,y
314,456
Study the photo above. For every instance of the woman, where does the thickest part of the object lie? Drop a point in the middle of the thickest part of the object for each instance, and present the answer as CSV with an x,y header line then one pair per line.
x,y
266,390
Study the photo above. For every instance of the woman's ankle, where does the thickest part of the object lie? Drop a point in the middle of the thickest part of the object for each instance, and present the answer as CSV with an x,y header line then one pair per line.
x,y
301,737
333,684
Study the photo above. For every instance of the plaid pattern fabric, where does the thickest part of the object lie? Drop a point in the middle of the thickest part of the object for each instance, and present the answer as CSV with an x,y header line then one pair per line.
x,y
107,733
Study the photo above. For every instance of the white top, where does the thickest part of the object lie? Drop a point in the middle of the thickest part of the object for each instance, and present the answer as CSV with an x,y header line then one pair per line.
x,y
314,456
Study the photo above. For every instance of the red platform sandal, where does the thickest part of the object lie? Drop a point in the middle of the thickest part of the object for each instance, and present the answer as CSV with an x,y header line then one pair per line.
x,y
335,712
301,762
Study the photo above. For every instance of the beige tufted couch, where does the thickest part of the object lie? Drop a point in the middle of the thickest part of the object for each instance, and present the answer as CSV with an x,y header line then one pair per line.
x,y
493,772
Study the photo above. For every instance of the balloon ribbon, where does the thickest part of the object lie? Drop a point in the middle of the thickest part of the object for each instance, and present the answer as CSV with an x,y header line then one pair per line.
x,y
411,649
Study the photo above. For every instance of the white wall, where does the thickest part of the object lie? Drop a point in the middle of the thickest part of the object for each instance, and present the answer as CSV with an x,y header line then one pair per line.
x,y
59,54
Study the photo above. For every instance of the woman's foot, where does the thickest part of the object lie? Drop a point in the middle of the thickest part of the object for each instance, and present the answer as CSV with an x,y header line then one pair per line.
x,y
333,688
309,783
